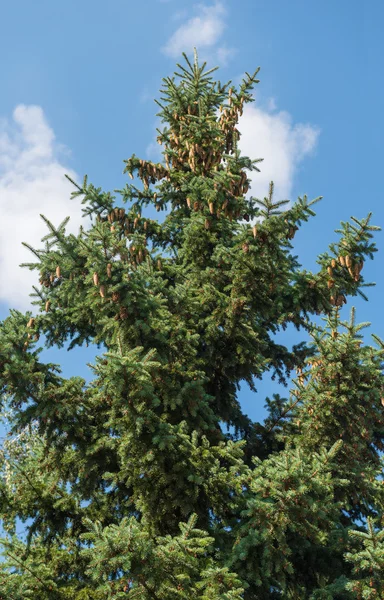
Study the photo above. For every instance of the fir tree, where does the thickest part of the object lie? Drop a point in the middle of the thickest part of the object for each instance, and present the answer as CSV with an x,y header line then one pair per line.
x,y
132,486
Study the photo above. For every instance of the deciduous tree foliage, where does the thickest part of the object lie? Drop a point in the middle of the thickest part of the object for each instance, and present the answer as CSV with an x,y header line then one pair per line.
x,y
132,486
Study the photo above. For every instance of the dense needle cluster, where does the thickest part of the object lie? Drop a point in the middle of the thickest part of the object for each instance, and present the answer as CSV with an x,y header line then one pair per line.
x,y
133,486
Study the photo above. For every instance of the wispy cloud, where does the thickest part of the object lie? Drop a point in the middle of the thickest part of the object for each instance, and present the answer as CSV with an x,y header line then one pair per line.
x,y
281,143
31,182
202,31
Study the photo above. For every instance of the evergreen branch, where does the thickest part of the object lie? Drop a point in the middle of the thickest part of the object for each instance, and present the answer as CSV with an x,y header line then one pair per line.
x,y
81,189
148,589
37,253
283,415
24,566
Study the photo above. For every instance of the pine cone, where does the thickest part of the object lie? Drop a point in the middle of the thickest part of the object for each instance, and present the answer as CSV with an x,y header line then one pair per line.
x,y
292,232
123,313
109,270
95,279
58,272
102,291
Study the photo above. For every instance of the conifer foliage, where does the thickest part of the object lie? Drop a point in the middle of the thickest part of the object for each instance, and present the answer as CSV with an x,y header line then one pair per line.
x,y
132,486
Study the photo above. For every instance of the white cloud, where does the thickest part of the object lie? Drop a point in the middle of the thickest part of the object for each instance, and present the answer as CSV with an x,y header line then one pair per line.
x,y
32,182
202,31
223,54
281,143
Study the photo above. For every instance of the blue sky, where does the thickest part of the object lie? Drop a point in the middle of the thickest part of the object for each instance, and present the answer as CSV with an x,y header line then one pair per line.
x,y
78,82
